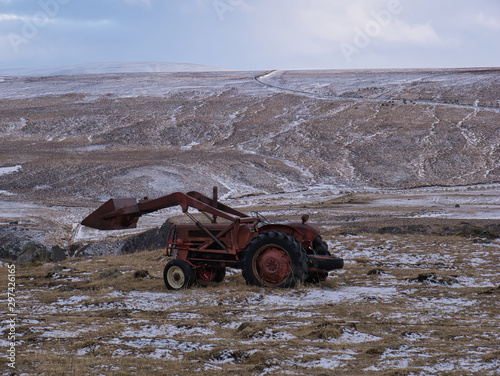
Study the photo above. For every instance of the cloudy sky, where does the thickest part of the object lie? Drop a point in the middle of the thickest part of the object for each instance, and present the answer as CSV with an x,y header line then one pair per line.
x,y
252,34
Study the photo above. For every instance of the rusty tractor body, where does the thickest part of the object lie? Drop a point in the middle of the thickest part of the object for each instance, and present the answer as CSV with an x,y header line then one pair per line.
x,y
270,255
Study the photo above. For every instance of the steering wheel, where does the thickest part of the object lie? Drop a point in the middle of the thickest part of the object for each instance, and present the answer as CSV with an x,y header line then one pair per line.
x,y
259,217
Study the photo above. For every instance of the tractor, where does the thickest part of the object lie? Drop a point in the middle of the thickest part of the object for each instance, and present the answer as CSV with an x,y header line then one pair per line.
x,y
270,255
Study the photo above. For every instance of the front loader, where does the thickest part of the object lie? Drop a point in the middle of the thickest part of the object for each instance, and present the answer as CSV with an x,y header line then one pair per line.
x,y
270,255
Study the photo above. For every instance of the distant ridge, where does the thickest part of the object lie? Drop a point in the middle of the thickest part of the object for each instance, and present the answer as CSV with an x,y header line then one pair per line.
x,y
116,67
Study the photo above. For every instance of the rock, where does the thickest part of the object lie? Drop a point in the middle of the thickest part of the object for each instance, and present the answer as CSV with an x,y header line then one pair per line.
x,y
155,238
112,273
57,254
471,231
410,229
32,252
328,330
375,351
375,272
494,290
435,279
141,273
12,239
149,240
390,230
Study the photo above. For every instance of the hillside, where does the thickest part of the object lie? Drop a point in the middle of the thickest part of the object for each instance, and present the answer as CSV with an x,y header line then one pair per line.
x,y
77,140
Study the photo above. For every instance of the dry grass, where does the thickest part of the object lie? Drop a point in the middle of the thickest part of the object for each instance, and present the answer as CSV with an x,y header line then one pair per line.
x,y
403,305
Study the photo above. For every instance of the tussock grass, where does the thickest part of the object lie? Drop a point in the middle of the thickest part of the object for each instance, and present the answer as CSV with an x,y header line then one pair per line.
x,y
426,305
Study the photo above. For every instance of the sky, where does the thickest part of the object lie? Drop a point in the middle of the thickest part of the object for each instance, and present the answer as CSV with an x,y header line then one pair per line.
x,y
252,34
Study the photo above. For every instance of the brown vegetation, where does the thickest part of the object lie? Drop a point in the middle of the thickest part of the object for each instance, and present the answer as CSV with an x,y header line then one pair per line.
x,y
430,307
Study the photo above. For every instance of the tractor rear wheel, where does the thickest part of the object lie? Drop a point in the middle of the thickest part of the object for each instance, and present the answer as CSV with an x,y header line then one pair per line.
x,y
178,274
274,259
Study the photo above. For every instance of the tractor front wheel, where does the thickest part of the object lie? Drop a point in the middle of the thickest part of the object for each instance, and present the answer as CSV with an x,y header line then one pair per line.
x,y
320,247
178,274
274,259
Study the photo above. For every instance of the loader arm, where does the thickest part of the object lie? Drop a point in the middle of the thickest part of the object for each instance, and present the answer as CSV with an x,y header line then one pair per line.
x,y
123,213
215,204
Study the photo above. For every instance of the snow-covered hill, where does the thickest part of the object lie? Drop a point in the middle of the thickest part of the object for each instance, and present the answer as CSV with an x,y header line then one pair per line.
x,y
250,133
93,68
75,140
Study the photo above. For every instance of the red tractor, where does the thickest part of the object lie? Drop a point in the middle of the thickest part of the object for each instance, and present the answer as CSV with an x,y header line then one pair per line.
x,y
271,255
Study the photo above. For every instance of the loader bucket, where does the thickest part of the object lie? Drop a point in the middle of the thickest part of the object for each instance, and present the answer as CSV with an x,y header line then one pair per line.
x,y
114,214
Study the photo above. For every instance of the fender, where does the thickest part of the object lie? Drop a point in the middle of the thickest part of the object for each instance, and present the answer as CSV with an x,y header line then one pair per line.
x,y
285,228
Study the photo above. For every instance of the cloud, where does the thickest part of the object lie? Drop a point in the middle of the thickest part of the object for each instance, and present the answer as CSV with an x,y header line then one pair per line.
x,y
5,47
9,17
382,20
37,19
144,3
419,34
319,28
21,24
327,21
488,22
85,24
316,33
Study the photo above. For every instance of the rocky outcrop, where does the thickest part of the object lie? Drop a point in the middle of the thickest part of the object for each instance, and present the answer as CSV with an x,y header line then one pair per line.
x,y
33,251
155,238
21,247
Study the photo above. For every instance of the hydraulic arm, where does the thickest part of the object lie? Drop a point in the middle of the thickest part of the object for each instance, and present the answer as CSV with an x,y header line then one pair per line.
x,y
123,213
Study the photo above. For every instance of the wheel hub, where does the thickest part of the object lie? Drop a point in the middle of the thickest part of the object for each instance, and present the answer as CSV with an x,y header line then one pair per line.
x,y
175,277
207,273
274,265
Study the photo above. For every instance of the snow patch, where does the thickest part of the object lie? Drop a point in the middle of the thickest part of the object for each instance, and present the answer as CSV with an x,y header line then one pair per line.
x,y
189,146
72,300
155,331
67,333
353,336
9,170
324,296
326,363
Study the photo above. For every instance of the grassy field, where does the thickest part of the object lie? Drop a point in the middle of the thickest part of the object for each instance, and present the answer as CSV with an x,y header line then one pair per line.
x,y
403,305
